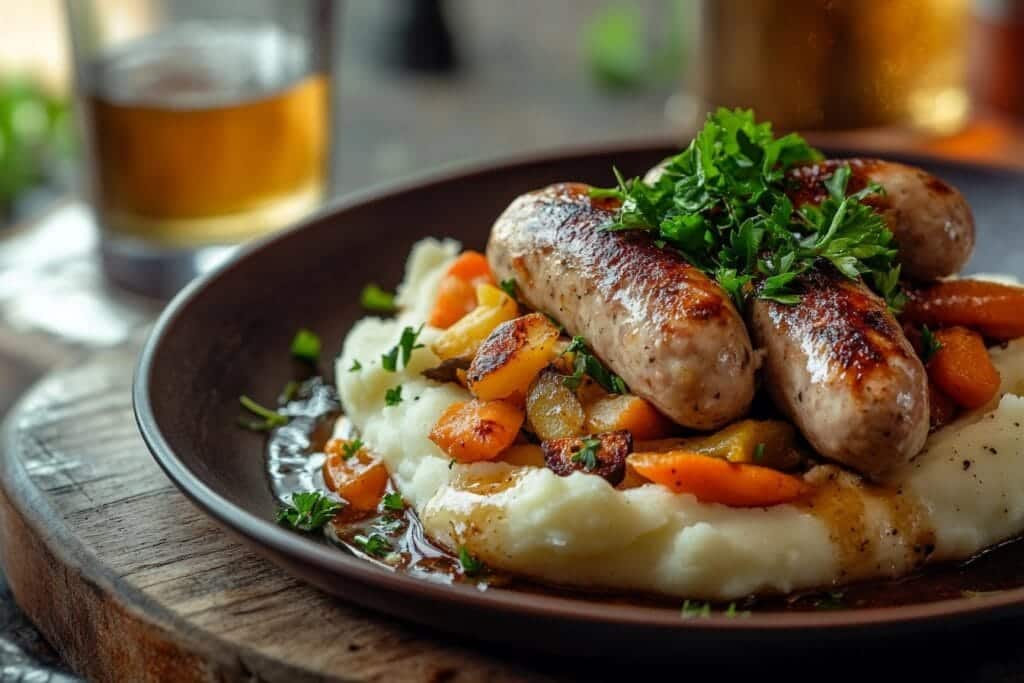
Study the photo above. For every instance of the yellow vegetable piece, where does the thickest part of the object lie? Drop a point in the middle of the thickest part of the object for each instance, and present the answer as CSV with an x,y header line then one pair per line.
x,y
626,411
523,455
769,443
512,356
552,409
464,337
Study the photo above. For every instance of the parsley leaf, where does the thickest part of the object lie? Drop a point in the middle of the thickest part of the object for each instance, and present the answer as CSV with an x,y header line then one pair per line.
x,y
288,393
722,205
510,287
308,511
374,544
929,344
392,501
405,346
356,365
759,452
587,455
393,396
471,566
306,346
350,448
693,610
585,363
373,298
270,420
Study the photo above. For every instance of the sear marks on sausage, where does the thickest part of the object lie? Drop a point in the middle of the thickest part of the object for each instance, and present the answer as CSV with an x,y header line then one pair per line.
x,y
930,220
658,322
841,367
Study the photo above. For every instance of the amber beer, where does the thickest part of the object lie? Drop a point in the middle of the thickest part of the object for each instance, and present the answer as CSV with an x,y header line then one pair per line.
x,y
837,64
205,137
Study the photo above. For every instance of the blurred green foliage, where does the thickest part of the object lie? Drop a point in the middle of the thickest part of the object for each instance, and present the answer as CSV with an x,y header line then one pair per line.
x,y
622,53
36,133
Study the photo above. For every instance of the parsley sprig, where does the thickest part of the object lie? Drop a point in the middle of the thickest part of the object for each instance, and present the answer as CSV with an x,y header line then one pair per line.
x,y
722,204
587,454
308,511
586,363
930,344
405,346
269,418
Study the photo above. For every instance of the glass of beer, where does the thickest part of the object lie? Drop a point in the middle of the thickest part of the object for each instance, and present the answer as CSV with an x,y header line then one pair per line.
x,y
837,64
206,123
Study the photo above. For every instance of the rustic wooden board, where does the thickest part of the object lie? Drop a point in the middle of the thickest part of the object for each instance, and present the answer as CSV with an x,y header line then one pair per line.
x,y
129,581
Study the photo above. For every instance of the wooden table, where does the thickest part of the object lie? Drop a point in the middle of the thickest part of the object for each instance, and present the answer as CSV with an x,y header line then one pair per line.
x,y
512,96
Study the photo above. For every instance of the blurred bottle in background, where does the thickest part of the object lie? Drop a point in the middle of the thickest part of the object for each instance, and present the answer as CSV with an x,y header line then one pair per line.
x,y
837,64
207,123
997,56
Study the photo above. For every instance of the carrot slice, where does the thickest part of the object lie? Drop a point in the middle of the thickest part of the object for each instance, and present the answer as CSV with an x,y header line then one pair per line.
x,y
714,480
456,294
359,478
962,368
477,430
996,310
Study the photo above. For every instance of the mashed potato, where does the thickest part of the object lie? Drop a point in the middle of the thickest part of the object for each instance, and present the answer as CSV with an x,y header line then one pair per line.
x,y
957,497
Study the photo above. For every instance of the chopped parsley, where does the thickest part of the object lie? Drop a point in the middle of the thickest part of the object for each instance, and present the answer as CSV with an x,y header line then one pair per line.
x,y
693,610
929,344
306,346
759,452
393,396
510,287
722,204
586,363
732,611
392,501
356,365
374,544
405,346
471,565
351,447
587,455
308,511
289,392
376,299
270,417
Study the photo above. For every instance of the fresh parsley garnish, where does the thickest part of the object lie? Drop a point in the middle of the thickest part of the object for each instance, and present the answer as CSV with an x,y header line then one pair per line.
x,y
693,610
289,392
356,365
404,348
308,511
587,454
393,396
392,501
722,204
759,452
471,566
586,363
733,612
510,287
373,298
351,447
374,544
306,346
270,419
930,345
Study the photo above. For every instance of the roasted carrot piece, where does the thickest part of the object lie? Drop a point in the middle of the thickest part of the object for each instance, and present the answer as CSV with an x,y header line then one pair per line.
x,y
632,413
355,475
456,294
996,310
713,480
477,430
962,368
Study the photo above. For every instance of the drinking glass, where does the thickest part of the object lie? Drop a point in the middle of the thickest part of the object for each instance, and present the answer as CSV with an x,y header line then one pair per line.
x,y
206,123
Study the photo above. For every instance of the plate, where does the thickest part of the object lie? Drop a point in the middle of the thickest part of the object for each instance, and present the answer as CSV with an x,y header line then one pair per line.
x,y
228,334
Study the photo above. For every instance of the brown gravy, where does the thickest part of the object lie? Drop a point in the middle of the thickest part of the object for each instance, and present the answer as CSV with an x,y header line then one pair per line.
x,y
295,457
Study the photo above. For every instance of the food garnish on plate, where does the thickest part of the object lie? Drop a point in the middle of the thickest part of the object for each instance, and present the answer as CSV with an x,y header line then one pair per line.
x,y
753,371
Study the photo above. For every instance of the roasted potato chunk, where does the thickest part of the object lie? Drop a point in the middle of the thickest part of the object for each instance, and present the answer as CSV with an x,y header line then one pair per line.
x,y
552,409
523,455
625,411
512,356
602,454
769,443
464,337
359,478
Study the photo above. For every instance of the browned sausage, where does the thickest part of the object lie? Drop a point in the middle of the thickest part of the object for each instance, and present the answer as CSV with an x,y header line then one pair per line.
x,y
668,330
840,366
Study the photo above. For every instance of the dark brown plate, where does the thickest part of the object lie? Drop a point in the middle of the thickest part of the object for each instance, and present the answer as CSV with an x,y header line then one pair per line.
x,y
228,334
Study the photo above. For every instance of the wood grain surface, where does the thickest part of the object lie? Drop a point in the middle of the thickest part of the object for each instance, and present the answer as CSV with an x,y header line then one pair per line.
x,y
129,581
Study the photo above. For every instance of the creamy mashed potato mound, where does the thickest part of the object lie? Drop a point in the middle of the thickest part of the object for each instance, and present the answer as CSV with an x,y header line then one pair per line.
x,y
960,495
